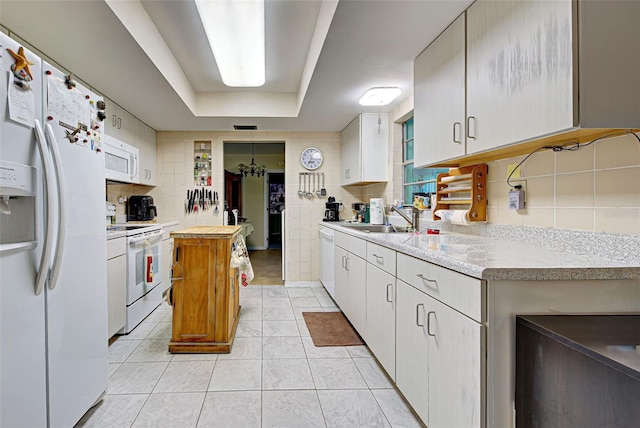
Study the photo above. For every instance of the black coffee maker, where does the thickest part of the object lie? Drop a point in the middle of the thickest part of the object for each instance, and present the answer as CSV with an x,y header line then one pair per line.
x,y
141,208
332,210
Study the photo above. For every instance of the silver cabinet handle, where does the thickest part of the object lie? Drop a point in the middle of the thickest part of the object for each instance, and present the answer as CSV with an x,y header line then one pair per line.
x,y
456,125
119,123
429,323
422,277
114,120
378,257
389,286
346,263
473,137
418,314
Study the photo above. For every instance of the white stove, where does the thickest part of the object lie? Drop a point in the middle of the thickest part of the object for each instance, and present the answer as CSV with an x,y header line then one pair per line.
x,y
144,293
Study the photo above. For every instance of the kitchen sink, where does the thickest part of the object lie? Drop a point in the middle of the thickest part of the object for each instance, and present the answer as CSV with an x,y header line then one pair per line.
x,y
377,228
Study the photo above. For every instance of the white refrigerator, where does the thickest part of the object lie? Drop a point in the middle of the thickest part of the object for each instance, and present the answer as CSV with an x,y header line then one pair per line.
x,y
53,292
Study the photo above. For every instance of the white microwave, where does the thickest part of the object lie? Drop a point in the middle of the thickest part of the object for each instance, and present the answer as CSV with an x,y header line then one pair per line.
x,y
121,161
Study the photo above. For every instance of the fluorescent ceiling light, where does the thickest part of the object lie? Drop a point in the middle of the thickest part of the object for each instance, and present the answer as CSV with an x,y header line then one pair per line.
x,y
379,96
235,30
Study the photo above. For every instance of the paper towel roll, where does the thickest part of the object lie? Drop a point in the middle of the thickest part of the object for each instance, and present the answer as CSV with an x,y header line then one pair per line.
x,y
376,211
460,217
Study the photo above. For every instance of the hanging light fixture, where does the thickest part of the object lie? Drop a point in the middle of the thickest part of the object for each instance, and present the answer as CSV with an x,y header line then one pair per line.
x,y
252,168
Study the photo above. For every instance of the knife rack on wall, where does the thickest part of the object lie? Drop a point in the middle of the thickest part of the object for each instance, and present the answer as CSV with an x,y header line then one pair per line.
x,y
201,200
463,188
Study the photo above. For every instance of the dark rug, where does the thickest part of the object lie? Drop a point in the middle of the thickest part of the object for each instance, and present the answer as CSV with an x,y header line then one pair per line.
x,y
331,329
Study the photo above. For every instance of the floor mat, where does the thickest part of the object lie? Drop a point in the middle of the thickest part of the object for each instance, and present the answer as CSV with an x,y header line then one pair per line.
x,y
331,329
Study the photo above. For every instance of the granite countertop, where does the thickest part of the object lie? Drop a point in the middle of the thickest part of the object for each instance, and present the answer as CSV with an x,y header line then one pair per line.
x,y
497,259
611,339
207,232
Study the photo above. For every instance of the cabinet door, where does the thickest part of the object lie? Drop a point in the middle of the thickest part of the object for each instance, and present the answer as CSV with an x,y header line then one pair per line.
x,y
116,293
374,148
119,123
341,278
350,159
520,74
381,317
456,368
439,103
145,141
412,348
357,293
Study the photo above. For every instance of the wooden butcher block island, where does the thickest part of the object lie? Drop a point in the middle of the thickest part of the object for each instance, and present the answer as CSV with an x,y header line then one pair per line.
x,y
204,290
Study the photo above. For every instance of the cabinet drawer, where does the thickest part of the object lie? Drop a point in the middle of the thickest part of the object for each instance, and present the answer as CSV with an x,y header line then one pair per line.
x,y
116,247
352,244
382,257
461,292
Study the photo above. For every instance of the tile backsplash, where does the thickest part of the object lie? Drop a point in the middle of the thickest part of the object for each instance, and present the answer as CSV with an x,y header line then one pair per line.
x,y
595,188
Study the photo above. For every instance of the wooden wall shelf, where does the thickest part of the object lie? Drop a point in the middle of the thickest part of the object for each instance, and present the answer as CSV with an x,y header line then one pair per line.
x,y
463,188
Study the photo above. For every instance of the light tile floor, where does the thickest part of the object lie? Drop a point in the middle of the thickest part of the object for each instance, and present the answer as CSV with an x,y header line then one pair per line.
x,y
273,377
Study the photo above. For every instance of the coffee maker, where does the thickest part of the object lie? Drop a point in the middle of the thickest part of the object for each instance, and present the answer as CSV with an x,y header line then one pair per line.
x,y
141,208
332,210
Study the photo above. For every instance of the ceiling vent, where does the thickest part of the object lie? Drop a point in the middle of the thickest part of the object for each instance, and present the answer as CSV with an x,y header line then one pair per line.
x,y
245,127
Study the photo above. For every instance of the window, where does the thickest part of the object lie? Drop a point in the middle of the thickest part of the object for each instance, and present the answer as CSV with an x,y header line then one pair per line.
x,y
415,180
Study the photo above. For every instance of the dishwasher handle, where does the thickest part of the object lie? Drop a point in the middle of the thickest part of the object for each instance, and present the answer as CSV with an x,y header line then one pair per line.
x,y
327,236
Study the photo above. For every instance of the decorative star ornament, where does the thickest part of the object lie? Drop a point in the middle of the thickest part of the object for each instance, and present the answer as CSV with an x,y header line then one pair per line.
x,y
22,63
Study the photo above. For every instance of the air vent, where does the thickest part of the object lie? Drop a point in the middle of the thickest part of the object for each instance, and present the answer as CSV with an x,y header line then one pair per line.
x,y
245,127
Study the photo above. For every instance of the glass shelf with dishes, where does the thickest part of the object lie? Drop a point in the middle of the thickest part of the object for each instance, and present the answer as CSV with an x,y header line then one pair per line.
x,y
202,163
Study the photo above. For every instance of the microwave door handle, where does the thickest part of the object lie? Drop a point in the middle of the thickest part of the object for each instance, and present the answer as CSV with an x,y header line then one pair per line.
x,y
49,179
62,204
134,165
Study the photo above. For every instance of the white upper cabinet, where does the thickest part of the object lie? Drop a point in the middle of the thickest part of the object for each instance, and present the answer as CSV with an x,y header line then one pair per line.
x,y
537,73
439,100
364,151
520,71
145,141
119,123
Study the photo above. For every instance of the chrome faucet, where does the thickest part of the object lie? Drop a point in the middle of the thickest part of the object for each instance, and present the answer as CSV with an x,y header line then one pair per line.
x,y
415,217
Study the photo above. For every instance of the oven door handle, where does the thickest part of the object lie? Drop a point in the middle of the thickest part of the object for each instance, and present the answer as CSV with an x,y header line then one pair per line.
x,y
145,237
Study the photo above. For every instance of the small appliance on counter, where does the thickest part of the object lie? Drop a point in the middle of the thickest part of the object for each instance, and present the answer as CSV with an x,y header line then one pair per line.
x,y
332,210
141,208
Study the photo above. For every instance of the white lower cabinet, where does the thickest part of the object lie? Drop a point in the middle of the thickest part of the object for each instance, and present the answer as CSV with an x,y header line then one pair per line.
x,y
439,360
424,325
381,317
351,288
456,368
116,284
412,348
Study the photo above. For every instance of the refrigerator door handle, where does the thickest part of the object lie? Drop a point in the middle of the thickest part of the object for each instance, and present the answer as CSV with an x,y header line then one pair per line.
x,y
49,179
57,161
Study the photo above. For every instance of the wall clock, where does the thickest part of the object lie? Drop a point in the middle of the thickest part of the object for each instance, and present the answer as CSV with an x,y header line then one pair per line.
x,y
311,158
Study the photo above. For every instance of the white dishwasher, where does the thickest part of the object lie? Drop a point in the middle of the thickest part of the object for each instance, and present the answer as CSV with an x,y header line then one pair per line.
x,y
327,275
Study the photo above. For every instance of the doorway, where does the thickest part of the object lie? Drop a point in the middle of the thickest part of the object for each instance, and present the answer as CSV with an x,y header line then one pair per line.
x,y
253,195
275,204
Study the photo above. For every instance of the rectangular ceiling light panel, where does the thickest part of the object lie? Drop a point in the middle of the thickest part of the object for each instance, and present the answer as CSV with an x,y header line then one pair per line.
x,y
236,33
